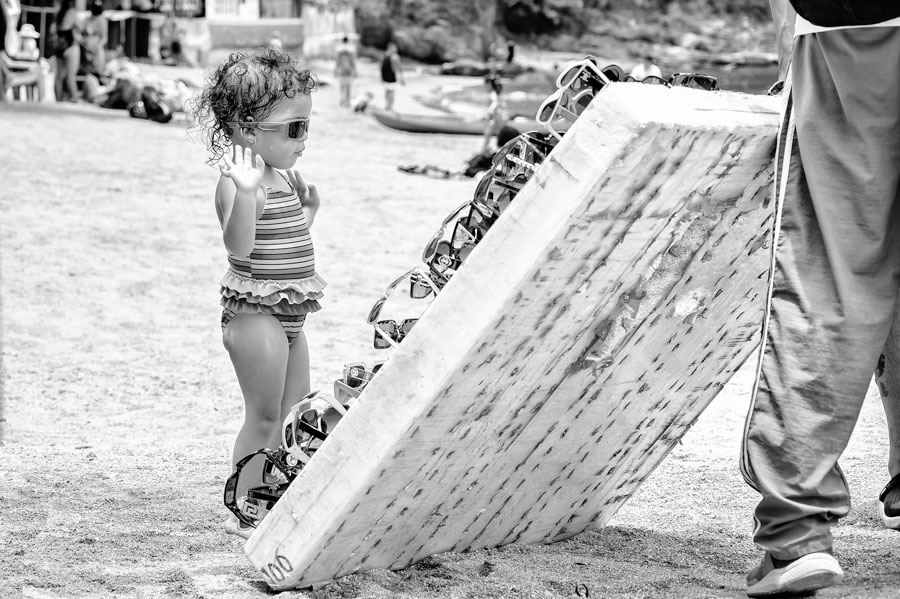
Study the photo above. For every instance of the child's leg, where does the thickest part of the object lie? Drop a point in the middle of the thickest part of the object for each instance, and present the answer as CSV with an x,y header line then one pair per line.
x,y
296,380
259,353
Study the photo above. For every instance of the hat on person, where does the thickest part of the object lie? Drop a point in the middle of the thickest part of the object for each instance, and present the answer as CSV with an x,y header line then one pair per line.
x,y
27,30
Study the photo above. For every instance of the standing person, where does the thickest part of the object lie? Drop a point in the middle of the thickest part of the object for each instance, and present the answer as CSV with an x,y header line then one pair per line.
x,y
391,73
833,289
497,114
645,68
266,209
345,69
67,51
93,51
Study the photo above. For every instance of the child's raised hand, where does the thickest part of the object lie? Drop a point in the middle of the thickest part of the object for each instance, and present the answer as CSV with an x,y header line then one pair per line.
x,y
246,169
309,195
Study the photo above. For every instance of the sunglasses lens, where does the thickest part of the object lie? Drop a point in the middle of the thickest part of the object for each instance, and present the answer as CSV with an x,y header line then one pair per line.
x,y
546,111
387,328
376,309
295,129
462,235
271,475
431,248
419,288
443,257
582,102
407,326
355,377
568,75
287,436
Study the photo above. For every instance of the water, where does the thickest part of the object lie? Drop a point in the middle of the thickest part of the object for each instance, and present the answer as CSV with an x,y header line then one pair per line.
x,y
524,94
748,79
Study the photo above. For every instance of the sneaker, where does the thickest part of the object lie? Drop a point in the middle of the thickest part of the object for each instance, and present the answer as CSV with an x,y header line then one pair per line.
x,y
800,576
890,503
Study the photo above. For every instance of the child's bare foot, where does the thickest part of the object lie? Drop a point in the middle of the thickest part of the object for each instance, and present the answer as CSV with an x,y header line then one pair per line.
x,y
234,526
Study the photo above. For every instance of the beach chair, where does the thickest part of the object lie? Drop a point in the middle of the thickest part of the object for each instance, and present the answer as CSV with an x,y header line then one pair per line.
x,y
17,74
18,71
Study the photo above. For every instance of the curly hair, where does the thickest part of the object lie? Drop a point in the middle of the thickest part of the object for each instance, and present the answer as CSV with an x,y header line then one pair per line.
x,y
247,86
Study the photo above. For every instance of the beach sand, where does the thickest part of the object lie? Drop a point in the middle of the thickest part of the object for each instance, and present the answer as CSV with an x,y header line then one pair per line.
x,y
121,406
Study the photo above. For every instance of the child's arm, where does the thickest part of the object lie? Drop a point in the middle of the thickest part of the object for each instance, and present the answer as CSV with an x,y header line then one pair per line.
x,y
236,200
309,196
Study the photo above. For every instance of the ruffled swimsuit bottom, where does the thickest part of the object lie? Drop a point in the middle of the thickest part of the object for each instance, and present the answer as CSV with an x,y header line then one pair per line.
x,y
288,300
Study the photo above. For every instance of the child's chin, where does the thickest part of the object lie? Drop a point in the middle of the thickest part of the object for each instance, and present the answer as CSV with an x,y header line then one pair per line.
x,y
289,162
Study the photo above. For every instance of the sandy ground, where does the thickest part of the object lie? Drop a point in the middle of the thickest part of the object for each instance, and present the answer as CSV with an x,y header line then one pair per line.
x,y
120,404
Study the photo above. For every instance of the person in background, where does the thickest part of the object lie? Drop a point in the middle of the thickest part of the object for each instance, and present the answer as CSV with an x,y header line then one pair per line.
x,y
645,68
832,311
275,42
67,51
28,43
391,74
345,69
497,114
94,35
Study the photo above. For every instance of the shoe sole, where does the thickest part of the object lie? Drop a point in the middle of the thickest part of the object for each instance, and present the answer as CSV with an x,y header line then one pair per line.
x,y
889,521
799,578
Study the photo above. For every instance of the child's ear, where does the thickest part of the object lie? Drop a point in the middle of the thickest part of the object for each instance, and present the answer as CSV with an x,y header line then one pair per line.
x,y
245,136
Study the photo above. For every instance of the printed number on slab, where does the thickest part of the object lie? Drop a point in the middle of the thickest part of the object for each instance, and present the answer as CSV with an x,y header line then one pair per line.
x,y
277,571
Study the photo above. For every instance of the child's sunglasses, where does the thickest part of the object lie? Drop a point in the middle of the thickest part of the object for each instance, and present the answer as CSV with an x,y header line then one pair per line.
x,y
293,129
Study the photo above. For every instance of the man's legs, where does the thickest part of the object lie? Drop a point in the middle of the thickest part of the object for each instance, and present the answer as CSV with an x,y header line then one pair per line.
x,y
835,284
888,376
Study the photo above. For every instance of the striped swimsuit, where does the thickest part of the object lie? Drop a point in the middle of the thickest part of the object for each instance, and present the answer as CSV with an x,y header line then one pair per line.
x,y
279,277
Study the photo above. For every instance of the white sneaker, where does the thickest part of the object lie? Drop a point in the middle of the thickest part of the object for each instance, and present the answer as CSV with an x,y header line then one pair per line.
x,y
805,574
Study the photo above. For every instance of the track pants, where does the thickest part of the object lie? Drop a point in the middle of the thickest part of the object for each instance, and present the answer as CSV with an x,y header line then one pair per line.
x,y
834,286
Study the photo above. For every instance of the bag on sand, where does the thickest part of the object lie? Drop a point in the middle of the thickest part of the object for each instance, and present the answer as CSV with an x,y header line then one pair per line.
x,y
156,108
124,94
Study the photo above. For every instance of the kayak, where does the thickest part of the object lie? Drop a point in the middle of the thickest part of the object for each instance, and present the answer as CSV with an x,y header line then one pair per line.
x,y
438,123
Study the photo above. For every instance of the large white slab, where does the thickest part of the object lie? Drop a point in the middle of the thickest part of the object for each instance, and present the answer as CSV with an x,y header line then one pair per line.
x,y
582,338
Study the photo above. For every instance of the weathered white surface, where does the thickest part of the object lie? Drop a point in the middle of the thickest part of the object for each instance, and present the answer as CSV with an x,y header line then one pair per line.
x,y
582,338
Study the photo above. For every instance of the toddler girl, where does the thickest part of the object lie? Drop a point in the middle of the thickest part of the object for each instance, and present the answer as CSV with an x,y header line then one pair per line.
x,y
259,104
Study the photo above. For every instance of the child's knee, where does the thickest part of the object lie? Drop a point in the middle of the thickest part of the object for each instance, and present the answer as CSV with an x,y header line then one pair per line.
x,y
263,417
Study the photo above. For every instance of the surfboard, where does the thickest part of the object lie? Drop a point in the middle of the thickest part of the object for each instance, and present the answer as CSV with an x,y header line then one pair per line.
x,y
581,339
